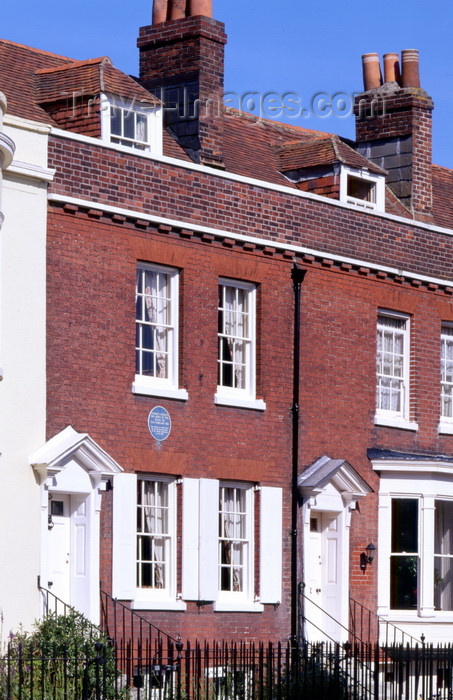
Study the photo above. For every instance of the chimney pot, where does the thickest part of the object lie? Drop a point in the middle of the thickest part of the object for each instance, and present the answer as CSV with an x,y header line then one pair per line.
x,y
391,68
177,9
372,77
410,68
201,7
160,9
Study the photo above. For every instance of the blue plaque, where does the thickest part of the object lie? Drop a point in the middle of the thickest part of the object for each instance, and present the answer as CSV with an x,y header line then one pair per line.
x,y
159,423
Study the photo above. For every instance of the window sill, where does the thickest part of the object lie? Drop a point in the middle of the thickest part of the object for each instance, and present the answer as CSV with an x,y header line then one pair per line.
x,y
394,422
445,428
238,402
164,604
239,606
147,389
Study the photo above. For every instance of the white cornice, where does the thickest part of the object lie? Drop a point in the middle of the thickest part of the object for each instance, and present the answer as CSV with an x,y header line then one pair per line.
x,y
134,214
410,466
214,172
31,171
27,124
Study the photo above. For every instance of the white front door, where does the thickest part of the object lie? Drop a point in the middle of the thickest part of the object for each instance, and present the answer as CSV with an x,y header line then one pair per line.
x,y
323,577
59,546
69,561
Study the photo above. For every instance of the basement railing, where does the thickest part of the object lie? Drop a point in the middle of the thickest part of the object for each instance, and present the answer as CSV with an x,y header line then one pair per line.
x,y
367,626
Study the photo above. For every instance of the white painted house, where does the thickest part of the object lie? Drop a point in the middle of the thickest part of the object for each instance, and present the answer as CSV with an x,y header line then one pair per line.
x,y
23,192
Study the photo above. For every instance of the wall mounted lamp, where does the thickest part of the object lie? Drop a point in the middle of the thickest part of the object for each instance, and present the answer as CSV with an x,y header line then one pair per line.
x,y
367,556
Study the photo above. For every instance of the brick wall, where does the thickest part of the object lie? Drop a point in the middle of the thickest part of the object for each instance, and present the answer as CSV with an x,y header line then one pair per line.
x,y
92,260
156,188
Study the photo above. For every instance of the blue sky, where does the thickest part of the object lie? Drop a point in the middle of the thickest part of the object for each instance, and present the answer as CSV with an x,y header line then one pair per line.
x,y
309,49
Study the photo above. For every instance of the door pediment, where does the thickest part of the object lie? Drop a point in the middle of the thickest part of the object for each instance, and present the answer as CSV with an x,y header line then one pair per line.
x,y
331,484
73,462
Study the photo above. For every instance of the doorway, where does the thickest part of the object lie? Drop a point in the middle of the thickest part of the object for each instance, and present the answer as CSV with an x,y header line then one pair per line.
x,y
324,577
68,537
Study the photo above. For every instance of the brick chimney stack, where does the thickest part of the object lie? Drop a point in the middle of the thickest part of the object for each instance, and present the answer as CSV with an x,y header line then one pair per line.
x,y
394,129
182,63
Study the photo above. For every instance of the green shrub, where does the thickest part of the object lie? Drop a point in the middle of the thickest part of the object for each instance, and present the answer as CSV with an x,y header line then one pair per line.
x,y
64,657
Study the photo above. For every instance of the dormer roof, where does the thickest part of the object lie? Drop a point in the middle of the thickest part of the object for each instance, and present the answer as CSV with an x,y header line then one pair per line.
x,y
323,150
91,77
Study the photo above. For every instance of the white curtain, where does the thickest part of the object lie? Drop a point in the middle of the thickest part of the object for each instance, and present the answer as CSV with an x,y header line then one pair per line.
x,y
236,330
157,311
155,512
233,529
443,565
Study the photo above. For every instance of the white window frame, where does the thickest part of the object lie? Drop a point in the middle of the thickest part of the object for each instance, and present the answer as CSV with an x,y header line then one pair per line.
x,y
169,591
377,182
153,119
200,546
388,417
427,481
446,337
233,396
232,598
124,546
167,387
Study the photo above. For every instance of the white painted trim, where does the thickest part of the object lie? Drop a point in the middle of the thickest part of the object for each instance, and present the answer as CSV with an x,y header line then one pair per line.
x,y
239,606
190,538
445,427
34,172
124,536
164,604
379,188
412,466
271,543
209,539
142,387
170,384
189,165
154,120
394,422
278,245
238,402
26,124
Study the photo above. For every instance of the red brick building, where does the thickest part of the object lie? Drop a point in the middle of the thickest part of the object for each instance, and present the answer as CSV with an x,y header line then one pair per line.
x,y
249,348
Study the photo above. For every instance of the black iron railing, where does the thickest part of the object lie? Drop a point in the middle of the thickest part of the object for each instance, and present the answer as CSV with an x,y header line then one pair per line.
x,y
233,671
367,626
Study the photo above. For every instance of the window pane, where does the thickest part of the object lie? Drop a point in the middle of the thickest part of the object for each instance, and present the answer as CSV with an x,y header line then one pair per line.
x,y
235,337
404,525
233,542
403,582
443,583
153,535
115,121
154,323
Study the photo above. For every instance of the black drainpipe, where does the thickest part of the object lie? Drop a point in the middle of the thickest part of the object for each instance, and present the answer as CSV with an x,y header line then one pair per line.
x,y
297,275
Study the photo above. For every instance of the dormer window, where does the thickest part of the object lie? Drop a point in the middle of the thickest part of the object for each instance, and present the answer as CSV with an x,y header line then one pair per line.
x,y
132,124
362,188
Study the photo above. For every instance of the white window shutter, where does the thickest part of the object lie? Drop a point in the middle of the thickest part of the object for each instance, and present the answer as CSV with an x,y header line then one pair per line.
x,y
190,538
271,544
124,536
209,538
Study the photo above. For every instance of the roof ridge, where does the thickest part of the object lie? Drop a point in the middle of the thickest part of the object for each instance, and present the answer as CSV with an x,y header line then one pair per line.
x,y
75,64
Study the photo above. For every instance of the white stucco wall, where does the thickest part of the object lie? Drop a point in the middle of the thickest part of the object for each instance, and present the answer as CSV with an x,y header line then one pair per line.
x,y
23,389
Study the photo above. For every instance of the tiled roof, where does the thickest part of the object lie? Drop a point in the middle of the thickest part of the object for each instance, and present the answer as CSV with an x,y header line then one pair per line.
x,y
89,78
324,150
256,148
17,66
443,196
